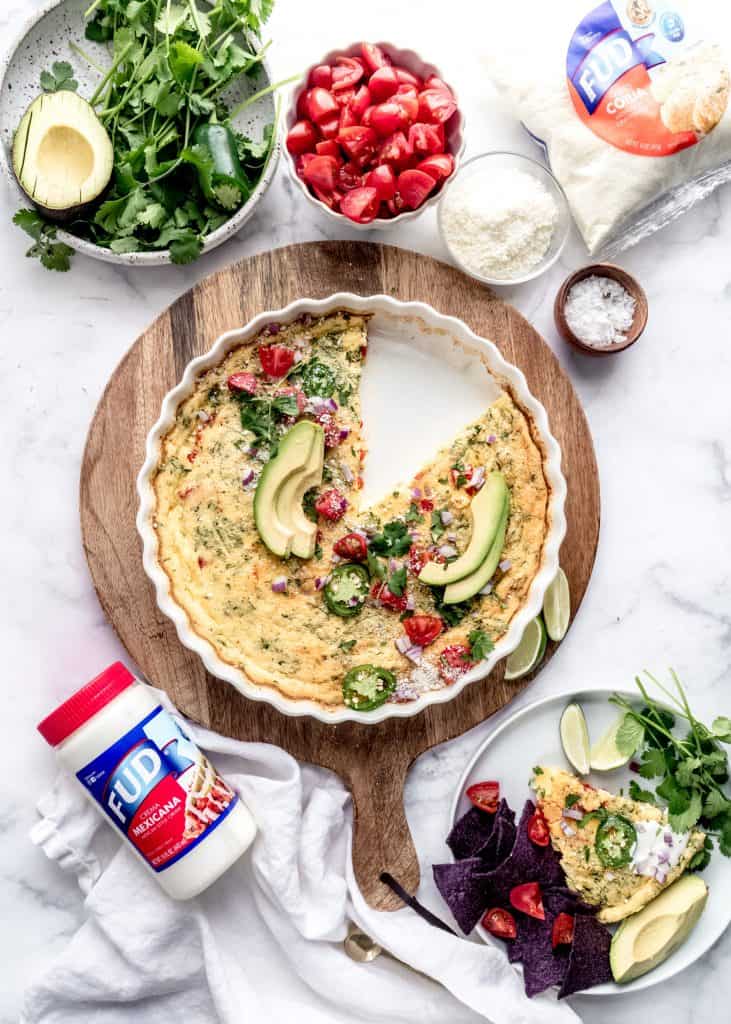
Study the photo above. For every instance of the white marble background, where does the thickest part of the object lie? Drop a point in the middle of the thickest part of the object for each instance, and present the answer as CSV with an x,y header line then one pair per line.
x,y
661,593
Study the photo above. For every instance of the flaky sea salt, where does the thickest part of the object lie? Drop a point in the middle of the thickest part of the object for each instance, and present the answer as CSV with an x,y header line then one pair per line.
x,y
599,311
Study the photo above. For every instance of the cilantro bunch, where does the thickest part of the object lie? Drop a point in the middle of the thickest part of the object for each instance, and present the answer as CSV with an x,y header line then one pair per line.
x,y
170,64
690,761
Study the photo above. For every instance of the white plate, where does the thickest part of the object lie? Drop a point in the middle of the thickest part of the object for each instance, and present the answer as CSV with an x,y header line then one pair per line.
x,y
531,737
44,39
426,376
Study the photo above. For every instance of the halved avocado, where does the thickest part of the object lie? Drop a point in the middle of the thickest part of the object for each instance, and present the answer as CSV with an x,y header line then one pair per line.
x,y
486,510
466,588
291,493
62,155
291,460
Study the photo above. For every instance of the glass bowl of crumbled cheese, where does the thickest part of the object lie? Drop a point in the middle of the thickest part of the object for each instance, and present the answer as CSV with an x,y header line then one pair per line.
x,y
504,218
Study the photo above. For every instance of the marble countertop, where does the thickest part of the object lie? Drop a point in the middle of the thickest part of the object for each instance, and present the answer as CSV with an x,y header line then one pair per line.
x,y
661,591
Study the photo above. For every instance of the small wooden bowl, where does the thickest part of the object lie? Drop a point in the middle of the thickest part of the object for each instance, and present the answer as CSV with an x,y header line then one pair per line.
x,y
628,282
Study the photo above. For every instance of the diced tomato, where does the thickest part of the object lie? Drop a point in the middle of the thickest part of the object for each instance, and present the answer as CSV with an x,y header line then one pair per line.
x,y
360,205
346,74
418,557
439,165
436,83
407,100
563,930
352,546
500,923
320,173
321,77
395,150
361,101
381,593
454,661
436,106
538,832
413,187
343,97
426,505
424,138
276,360
528,899
373,56
423,630
383,83
330,129
368,115
347,118
359,142
322,105
349,177
331,505
387,118
485,795
383,179
301,138
406,77
330,199
330,148
243,383
303,113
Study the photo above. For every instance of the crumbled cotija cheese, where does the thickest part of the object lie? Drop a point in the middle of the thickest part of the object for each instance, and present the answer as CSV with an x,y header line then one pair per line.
x,y
599,311
499,224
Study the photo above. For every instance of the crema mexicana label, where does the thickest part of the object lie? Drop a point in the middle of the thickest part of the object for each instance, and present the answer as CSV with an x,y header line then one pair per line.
x,y
642,79
158,789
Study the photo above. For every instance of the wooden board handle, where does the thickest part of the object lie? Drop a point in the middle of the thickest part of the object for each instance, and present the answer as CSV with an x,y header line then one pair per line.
x,y
381,836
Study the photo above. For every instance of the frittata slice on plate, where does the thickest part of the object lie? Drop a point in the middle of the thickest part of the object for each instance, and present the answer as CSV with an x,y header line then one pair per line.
x,y
658,856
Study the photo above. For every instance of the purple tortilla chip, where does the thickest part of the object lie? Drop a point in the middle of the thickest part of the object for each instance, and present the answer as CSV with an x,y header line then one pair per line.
x,y
500,843
588,963
470,833
463,889
526,863
542,965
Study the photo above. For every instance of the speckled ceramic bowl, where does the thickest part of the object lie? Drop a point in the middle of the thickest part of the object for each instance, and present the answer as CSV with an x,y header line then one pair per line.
x,y
45,38
410,60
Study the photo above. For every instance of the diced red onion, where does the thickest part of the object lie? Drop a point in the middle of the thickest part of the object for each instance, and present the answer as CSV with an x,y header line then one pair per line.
x,y
279,585
505,565
416,493
321,581
414,536
487,589
343,433
451,537
347,473
491,439
410,603
663,857
447,551
402,644
273,328
478,477
247,478
571,812
335,558
609,876
203,416
393,565
566,829
446,517
414,654
661,876
668,838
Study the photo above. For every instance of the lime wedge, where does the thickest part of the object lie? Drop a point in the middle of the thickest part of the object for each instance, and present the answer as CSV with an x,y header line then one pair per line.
x,y
557,607
529,652
575,738
605,755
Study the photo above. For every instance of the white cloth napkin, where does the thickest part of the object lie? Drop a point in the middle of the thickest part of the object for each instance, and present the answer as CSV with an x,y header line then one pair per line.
x,y
265,942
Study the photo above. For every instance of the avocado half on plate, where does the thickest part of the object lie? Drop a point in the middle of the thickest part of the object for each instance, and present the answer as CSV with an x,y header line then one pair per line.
x,y
62,155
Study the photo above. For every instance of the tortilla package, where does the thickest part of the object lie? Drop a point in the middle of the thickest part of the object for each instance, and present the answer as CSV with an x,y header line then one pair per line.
x,y
630,101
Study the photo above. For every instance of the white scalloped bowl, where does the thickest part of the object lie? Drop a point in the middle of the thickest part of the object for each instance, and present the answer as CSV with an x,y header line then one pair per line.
x,y
410,346
454,134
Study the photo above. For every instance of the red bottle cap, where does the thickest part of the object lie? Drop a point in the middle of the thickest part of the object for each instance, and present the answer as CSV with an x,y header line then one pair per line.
x,y
85,703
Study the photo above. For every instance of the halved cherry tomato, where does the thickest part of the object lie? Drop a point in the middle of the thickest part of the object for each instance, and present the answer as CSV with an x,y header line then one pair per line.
x,y
439,165
395,150
301,138
359,142
320,173
423,630
349,177
408,101
387,118
436,83
322,106
424,138
454,661
361,101
413,187
330,199
528,899
347,118
436,106
383,83
360,205
381,593
330,148
330,129
406,77
373,56
303,112
347,72
352,546
485,795
538,831
276,360
243,383
343,97
368,114
500,923
383,179
321,77
563,931
331,505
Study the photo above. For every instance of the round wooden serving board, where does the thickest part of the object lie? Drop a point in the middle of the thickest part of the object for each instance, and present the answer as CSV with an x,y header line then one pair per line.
x,y
372,760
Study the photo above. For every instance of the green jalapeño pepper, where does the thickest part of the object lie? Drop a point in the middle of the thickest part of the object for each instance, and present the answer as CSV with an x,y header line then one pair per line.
x,y
347,590
615,841
226,184
367,687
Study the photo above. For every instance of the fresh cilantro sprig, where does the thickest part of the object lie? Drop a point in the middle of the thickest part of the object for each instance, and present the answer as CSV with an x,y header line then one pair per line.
x,y
480,645
53,255
59,78
687,757
393,541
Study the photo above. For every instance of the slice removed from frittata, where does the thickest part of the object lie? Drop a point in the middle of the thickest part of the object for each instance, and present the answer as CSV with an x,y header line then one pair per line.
x,y
604,862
